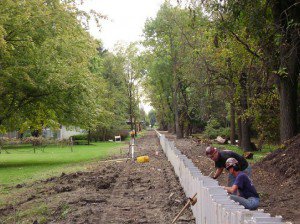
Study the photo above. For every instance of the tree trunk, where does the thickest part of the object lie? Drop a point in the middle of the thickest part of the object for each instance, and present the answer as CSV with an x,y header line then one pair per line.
x,y
135,127
170,128
131,116
175,88
177,122
246,142
240,137
288,85
245,124
35,133
89,136
104,134
287,19
232,123
288,109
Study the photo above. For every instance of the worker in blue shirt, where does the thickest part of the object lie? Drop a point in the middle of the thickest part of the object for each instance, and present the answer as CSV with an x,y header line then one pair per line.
x,y
246,192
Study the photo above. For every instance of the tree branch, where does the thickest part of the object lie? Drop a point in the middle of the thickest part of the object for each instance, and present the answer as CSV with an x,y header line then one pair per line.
x,y
240,40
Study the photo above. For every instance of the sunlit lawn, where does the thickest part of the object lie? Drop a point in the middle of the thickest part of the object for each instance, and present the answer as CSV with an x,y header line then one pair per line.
x,y
257,155
23,165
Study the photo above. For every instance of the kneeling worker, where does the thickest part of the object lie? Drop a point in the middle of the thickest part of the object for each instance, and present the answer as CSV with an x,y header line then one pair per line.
x,y
220,157
248,196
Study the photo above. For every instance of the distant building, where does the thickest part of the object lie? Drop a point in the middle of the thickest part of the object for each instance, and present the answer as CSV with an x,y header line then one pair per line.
x,y
12,134
63,133
67,132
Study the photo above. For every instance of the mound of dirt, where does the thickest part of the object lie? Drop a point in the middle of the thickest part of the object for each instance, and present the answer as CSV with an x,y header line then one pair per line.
x,y
284,162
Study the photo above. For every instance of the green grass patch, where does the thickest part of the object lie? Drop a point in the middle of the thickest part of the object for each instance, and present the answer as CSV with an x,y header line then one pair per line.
x,y
257,155
39,211
23,165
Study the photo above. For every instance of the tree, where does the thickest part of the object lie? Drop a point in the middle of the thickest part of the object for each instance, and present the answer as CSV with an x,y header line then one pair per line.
x,y
45,58
152,117
275,27
131,77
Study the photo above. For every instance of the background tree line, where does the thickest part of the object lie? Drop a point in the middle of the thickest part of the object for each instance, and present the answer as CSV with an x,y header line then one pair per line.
x,y
53,72
225,64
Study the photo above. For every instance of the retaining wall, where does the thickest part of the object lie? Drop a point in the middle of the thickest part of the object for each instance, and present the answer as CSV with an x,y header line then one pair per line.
x,y
213,204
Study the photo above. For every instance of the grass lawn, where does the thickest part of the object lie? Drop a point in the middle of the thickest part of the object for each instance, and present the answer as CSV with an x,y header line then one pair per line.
x,y
257,155
22,165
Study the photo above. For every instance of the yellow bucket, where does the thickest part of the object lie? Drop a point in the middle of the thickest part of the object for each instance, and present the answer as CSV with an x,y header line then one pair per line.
x,y
142,159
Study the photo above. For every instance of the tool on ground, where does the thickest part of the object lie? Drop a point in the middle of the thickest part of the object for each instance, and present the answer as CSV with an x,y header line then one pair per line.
x,y
191,201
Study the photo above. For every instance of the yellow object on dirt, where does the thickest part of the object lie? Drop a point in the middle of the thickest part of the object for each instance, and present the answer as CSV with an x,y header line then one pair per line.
x,y
142,159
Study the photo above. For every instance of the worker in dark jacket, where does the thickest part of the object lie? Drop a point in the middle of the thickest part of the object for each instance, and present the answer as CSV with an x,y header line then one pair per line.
x,y
247,194
220,157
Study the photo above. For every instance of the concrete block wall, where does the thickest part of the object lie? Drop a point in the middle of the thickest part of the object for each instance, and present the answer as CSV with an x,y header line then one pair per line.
x,y
213,204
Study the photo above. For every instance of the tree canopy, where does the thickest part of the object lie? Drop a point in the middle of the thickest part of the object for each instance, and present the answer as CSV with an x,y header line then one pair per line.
x,y
53,72
230,61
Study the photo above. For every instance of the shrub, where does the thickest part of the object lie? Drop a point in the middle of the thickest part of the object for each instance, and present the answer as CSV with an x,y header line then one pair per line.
x,y
80,142
36,141
80,137
213,129
104,134
225,132
123,133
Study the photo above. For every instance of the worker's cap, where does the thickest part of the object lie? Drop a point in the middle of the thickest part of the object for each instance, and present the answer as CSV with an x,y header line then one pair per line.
x,y
231,162
210,150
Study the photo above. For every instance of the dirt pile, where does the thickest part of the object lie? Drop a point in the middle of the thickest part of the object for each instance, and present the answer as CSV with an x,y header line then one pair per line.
x,y
285,162
277,178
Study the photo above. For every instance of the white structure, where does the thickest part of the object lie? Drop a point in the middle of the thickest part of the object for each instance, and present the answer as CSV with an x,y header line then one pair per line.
x,y
213,204
118,138
12,134
67,132
131,147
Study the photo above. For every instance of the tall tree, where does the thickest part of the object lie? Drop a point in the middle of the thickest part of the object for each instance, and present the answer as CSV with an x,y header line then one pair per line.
x,y
275,26
45,55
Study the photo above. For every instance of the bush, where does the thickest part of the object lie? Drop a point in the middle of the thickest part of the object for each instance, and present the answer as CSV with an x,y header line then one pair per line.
x,y
104,134
225,132
80,137
213,129
80,142
123,133
37,141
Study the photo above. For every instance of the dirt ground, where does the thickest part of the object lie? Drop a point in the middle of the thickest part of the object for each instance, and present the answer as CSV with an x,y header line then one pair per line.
x,y
130,192
276,178
110,192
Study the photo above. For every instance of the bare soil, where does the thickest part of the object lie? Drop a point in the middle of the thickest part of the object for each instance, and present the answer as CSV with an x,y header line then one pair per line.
x,y
276,177
109,192
129,192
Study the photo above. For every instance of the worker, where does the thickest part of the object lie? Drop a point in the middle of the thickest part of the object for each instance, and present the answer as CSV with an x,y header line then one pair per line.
x,y
247,194
220,157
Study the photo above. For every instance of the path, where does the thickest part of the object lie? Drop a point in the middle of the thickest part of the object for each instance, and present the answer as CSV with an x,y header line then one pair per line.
x,y
141,193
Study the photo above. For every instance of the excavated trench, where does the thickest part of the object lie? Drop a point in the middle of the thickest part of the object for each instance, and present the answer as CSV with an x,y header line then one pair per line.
x,y
110,192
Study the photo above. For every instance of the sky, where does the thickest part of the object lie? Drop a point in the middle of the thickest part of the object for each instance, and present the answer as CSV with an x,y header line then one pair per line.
x,y
126,19
125,23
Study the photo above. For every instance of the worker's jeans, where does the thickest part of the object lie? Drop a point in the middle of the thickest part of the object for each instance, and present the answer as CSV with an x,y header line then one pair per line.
x,y
231,178
249,203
